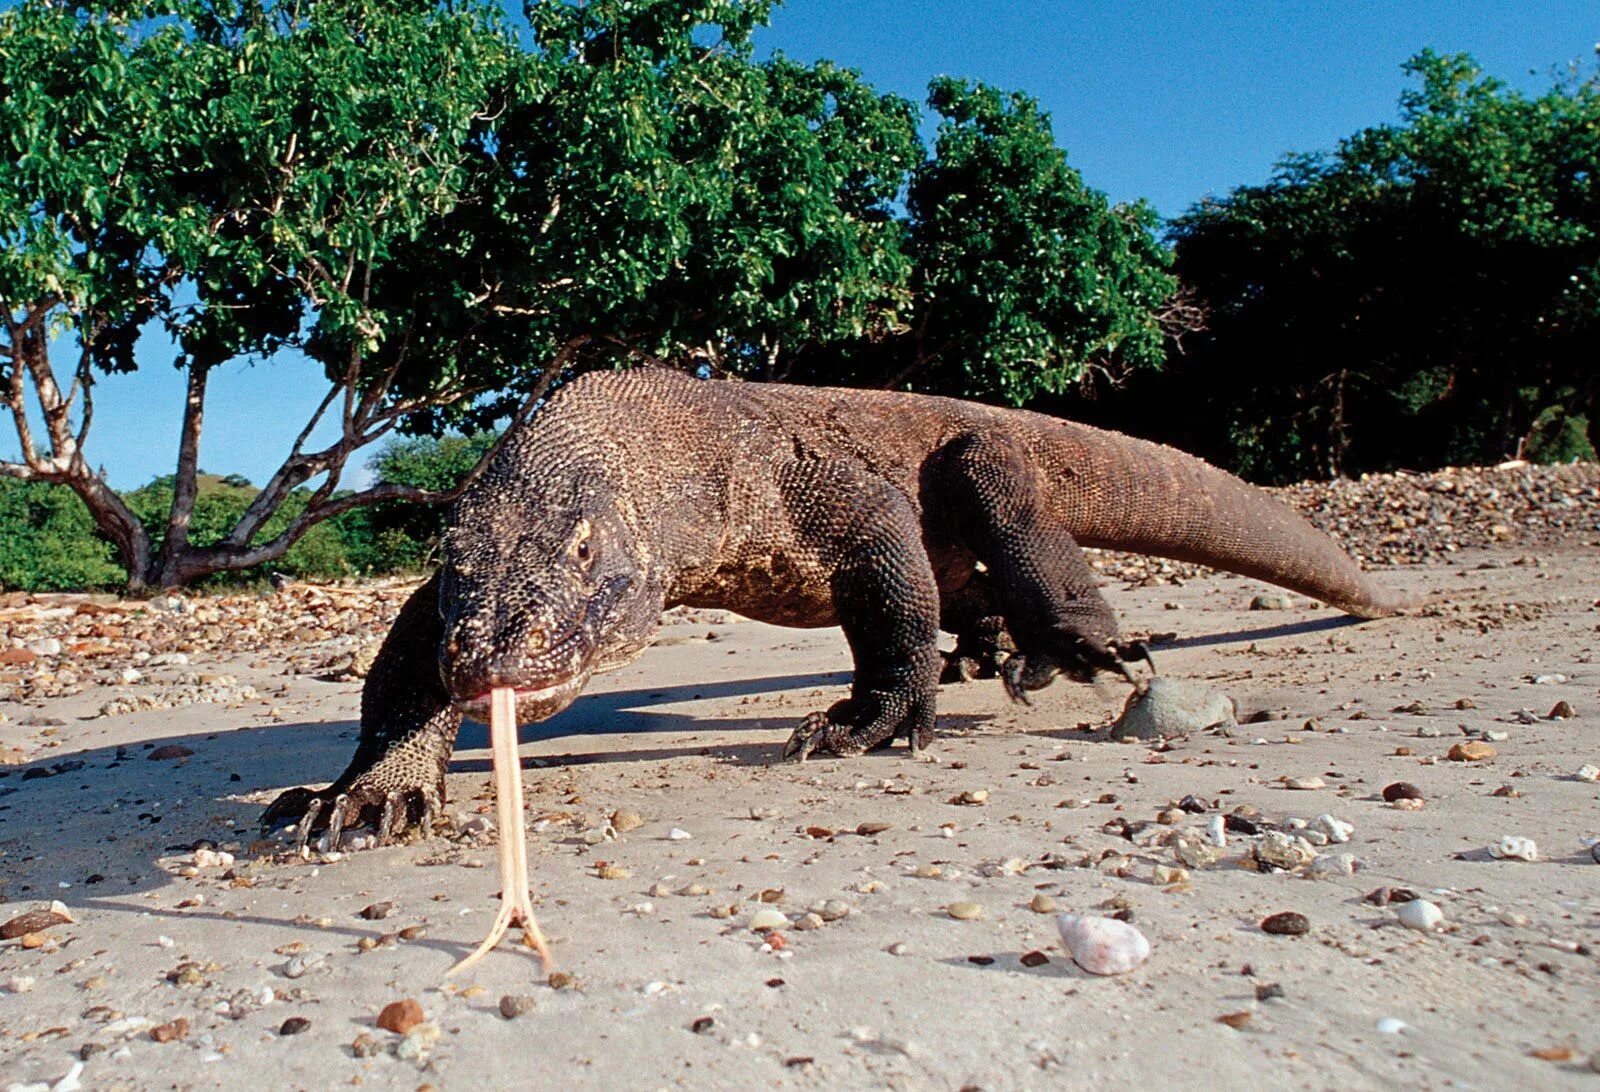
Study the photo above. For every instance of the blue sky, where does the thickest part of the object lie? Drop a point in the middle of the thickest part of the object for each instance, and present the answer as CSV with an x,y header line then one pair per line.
x,y
1166,101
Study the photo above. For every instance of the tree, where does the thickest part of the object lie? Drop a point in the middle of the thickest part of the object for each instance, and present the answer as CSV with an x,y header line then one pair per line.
x,y
1427,293
453,225
232,176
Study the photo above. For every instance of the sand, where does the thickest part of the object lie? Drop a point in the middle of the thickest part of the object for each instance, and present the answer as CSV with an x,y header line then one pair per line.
x,y
669,989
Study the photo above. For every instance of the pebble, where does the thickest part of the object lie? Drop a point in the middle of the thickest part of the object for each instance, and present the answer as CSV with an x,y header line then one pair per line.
x,y
1471,751
301,965
417,1042
1561,710
1331,865
867,830
1335,830
809,921
1304,784
1167,874
1594,853
1272,601
768,918
694,890
1588,772
1285,851
1495,735
1401,790
1286,924
626,819
171,1031
1420,914
294,1025
365,1046
1515,847
401,1016
35,921
1217,831
964,911
513,1005
1171,707
1390,1025
678,834
972,796
1193,850
1042,903
1102,945
612,872
377,911
831,909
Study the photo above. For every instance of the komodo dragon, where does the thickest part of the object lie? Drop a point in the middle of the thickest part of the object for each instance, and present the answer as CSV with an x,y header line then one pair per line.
x,y
890,515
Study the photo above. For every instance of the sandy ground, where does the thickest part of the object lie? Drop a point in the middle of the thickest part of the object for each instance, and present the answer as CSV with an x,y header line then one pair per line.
x,y
668,989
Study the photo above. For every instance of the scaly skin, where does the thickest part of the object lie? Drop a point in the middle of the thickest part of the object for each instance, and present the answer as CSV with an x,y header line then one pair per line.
x,y
890,515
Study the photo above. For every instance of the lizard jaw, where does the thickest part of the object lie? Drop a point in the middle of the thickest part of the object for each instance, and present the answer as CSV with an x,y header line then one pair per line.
x,y
533,703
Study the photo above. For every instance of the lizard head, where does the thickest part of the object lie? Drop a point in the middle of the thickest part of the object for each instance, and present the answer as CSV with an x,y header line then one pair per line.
x,y
541,583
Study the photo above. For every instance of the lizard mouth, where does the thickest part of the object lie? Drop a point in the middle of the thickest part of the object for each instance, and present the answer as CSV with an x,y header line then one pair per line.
x,y
533,702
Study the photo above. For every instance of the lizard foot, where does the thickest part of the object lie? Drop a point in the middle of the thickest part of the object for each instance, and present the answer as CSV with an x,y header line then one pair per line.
x,y
334,810
834,732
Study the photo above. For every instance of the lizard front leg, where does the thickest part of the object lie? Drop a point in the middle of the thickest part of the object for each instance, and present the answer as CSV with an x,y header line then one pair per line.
x,y
408,730
865,535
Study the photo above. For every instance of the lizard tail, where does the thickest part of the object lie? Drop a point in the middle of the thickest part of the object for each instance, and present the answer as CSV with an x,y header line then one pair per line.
x,y
1116,492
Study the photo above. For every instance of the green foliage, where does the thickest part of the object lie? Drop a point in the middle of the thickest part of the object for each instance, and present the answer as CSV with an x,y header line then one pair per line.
x,y
1024,275
49,542
1427,293
402,537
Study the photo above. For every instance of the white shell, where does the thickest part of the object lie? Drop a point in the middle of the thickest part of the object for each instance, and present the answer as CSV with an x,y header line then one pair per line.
x,y
1217,831
1515,845
1419,914
768,918
1102,945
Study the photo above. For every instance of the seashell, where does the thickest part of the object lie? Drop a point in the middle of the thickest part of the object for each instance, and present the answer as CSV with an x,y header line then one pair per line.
x,y
1515,846
1419,914
1217,831
1193,850
1102,945
768,918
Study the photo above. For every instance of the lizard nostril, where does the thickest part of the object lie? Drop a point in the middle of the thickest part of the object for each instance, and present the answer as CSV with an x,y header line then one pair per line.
x,y
538,640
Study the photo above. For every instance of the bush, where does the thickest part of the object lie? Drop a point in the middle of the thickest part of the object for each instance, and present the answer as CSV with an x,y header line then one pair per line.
x,y
49,542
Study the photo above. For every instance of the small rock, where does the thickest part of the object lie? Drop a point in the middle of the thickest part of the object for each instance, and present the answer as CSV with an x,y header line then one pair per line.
x,y
612,872
1195,850
1167,874
678,834
1471,751
809,921
1335,830
1034,959
171,1031
1330,865
1390,1025
1304,784
365,1046
626,819
832,909
377,911
1561,710
301,965
513,1005
1237,1020
294,1025
1286,924
1170,707
964,911
34,921
1285,851
1588,772
1401,790
1102,945
1042,903
561,980
867,830
1420,914
1515,847
972,796
1495,735
417,1042
401,1016
1272,601
170,751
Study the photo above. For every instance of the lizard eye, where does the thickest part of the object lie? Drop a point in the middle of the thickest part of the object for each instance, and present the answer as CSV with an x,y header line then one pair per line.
x,y
583,551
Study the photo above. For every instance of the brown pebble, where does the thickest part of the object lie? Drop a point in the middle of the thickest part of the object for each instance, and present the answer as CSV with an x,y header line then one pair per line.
x,y
626,819
1471,751
1236,1020
513,1005
1042,903
1266,991
1561,710
867,830
1401,790
561,980
401,1016
1034,959
294,1025
171,750
1286,924
171,1031
365,1046
702,1024
377,911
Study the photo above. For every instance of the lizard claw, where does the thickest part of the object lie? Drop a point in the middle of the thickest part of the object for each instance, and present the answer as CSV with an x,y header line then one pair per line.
x,y
389,814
